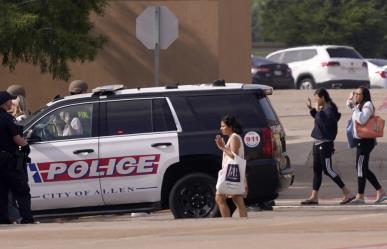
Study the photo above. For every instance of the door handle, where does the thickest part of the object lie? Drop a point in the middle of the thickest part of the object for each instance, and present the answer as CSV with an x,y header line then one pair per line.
x,y
163,145
84,152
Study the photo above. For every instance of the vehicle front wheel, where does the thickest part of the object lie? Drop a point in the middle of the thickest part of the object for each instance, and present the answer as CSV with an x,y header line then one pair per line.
x,y
193,196
306,84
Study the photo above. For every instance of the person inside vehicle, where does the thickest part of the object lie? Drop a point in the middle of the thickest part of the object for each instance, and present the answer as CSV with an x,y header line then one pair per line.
x,y
68,125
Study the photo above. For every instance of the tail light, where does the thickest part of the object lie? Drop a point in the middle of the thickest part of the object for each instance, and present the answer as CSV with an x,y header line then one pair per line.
x,y
330,63
267,142
263,70
382,74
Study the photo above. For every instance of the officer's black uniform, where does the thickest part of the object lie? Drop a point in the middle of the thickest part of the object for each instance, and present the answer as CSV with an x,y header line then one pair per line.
x,y
12,177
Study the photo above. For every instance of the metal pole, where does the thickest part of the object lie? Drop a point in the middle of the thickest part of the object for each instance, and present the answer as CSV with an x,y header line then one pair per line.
x,y
157,46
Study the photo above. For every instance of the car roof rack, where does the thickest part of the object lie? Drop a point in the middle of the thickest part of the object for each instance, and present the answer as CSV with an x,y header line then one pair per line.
x,y
107,89
219,83
172,86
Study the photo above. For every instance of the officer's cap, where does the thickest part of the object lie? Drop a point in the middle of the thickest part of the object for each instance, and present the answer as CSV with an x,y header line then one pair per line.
x,y
77,86
5,96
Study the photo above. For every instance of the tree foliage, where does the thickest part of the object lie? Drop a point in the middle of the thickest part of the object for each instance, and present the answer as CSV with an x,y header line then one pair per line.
x,y
359,23
49,33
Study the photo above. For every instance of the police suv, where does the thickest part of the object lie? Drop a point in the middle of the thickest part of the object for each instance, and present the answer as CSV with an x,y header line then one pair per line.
x,y
149,149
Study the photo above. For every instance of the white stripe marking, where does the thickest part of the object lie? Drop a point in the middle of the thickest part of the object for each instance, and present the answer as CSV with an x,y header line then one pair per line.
x,y
328,165
360,166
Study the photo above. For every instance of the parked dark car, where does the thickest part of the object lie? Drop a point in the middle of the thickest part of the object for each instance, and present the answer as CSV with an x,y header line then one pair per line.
x,y
266,72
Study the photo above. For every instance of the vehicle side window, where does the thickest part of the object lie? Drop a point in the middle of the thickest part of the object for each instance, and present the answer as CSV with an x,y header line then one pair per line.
x,y
138,116
162,116
291,56
275,57
210,109
307,54
64,123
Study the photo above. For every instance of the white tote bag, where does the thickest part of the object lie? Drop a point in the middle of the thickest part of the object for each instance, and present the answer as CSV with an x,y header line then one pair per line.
x,y
231,179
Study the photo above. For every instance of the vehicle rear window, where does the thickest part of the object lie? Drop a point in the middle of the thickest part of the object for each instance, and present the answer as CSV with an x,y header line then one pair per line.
x,y
343,53
270,115
138,116
209,110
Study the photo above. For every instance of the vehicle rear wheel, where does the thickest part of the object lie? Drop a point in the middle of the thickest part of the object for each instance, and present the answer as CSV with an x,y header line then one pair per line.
x,y
306,84
193,196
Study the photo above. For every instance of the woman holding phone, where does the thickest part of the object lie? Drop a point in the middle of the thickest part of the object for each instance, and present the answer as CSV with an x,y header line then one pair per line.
x,y
362,109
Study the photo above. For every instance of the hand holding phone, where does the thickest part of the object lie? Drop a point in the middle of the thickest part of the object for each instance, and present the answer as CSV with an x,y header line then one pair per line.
x,y
309,103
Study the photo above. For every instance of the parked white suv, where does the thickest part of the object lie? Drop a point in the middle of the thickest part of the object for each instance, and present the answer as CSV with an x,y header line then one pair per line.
x,y
328,66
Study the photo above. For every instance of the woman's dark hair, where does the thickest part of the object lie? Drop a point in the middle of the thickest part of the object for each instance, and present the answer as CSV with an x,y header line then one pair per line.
x,y
233,123
366,96
322,92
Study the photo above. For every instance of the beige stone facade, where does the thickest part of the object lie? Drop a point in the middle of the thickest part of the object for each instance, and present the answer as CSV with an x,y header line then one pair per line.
x,y
214,43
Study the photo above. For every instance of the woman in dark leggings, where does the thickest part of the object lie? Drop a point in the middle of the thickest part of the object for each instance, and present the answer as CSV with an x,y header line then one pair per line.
x,y
362,107
325,116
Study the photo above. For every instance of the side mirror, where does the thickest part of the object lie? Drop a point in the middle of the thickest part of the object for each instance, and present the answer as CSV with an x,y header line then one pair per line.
x,y
32,137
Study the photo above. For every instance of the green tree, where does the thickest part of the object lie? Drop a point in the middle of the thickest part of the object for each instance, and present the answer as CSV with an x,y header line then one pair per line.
x,y
49,33
359,23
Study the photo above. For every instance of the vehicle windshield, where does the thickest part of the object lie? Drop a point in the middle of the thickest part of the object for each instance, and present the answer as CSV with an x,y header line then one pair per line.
x,y
25,121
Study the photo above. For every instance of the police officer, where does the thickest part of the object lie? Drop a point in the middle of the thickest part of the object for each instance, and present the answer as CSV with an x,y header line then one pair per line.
x,y
77,87
17,90
13,177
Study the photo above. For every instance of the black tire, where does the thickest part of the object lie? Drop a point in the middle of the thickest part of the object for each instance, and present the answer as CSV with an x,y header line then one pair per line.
x,y
193,196
306,84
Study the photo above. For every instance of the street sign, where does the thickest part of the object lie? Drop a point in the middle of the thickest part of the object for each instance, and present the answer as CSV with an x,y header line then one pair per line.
x,y
157,28
153,27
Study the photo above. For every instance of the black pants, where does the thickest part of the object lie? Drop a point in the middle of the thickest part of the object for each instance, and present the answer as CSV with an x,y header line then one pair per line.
x,y
322,161
16,181
363,151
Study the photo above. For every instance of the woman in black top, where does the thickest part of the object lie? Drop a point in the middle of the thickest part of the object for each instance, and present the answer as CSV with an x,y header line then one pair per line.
x,y
326,117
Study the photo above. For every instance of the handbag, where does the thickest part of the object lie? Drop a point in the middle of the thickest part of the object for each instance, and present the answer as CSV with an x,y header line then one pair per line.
x,y
372,129
349,131
231,179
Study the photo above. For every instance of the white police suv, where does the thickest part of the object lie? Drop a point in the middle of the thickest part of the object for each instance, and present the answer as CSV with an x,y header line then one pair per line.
x,y
148,149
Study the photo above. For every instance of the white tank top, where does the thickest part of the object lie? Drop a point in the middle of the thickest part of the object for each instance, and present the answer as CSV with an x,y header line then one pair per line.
x,y
241,152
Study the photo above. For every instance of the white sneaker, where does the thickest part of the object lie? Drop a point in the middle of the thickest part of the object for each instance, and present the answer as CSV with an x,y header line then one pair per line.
x,y
139,214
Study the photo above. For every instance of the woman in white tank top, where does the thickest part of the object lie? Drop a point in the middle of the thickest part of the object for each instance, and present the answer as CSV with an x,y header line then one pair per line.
x,y
230,127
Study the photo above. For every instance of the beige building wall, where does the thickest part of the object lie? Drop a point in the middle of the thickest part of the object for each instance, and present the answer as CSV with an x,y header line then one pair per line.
x,y
214,43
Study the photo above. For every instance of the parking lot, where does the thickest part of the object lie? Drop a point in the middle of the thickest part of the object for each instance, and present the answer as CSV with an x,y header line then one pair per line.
x,y
287,226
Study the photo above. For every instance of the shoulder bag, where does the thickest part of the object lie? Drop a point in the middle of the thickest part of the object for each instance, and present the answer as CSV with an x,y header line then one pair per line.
x,y
372,129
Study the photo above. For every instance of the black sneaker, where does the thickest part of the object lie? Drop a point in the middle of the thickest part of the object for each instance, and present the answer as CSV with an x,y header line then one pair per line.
x,y
7,222
29,221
